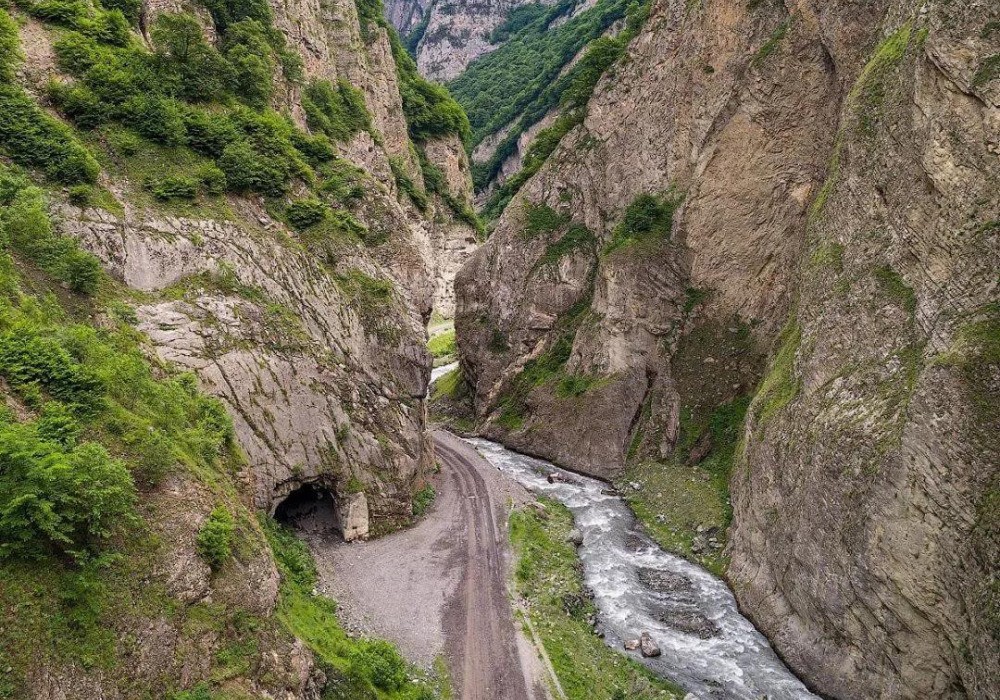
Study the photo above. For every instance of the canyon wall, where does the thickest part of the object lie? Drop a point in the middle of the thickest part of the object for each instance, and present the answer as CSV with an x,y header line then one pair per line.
x,y
794,202
311,332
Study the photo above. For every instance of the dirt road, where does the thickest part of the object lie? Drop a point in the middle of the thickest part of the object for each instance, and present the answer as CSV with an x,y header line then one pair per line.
x,y
439,588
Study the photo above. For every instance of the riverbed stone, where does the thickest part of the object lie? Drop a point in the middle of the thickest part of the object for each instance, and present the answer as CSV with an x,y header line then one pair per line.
x,y
648,647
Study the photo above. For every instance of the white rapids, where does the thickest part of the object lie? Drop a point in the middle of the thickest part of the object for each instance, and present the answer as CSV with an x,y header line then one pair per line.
x,y
439,372
708,647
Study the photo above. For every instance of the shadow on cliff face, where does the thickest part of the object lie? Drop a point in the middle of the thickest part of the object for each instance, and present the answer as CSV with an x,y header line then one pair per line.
x,y
311,508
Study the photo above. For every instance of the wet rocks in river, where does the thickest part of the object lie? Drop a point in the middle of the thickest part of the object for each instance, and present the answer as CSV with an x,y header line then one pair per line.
x,y
647,647
631,644
576,537
634,542
664,581
688,622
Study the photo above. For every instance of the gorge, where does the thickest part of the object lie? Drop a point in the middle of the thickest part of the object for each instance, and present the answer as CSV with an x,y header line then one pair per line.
x,y
712,296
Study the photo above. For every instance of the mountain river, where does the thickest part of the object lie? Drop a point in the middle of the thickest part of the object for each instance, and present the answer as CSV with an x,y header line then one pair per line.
x,y
707,646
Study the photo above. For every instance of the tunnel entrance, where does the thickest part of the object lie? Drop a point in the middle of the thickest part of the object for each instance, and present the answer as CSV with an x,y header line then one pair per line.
x,y
310,508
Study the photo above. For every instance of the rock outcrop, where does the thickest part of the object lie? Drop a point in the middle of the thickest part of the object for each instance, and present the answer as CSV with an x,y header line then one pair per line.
x,y
453,32
314,340
406,15
821,186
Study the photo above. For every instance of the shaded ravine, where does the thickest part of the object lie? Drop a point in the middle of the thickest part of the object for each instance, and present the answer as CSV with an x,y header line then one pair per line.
x,y
707,646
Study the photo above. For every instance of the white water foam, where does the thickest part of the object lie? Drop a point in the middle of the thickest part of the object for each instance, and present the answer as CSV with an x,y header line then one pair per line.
x,y
707,646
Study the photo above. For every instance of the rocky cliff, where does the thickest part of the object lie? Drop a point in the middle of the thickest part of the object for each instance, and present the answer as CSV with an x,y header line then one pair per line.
x,y
794,202
276,240
447,35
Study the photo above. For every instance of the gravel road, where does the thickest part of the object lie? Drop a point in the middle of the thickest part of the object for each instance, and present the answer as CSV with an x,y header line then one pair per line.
x,y
440,587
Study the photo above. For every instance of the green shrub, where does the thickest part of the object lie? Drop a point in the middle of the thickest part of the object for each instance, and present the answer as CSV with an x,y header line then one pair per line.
x,y
305,213
124,143
64,12
578,237
648,219
208,133
212,179
25,226
429,109
80,104
380,663
541,218
81,195
59,500
215,538
131,9
32,138
159,119
30,361
174,187
58,424
423,500
407,185
337,111
10,47
315,149
186,59
342,180
247,170
248,53
227,12
82,271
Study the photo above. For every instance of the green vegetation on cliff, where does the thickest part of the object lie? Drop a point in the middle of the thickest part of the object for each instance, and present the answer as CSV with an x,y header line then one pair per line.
x,y
356,668
570,93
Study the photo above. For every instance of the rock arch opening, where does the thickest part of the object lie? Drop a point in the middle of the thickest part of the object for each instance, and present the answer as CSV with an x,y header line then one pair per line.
x,y
313,508
310,508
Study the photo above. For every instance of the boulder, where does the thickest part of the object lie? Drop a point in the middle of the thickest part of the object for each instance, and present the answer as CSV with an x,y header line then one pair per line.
x,y
647,646
575,536
631,644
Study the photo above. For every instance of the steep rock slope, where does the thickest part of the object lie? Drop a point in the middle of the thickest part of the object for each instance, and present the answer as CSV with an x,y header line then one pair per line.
x,y
836,162
449,34
405,15
232,190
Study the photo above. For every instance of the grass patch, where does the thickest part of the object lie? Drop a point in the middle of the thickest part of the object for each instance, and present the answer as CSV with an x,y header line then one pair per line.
x,y
423,500
673,502
772,44
988,71
578,237
443,347
371,298
780,386
450,386
357,668
871,90
540,219
893,286
548,580
646,223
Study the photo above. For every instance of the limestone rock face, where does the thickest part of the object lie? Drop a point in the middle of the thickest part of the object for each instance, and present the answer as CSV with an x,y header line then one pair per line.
x,y
405,15
836,170
352,512
453,240
457,32
320,389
